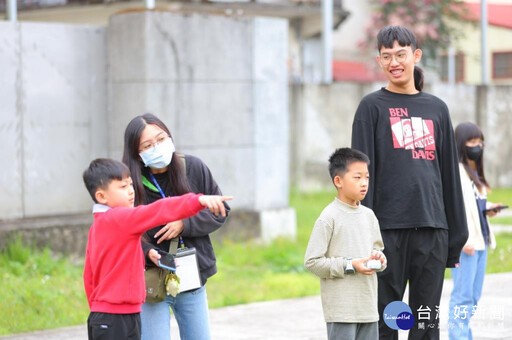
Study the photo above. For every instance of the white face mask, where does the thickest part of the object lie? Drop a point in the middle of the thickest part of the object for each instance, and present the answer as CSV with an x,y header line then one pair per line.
x,y
159,156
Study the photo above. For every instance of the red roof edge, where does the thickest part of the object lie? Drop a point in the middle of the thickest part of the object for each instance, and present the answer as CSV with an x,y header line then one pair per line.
x,y
497,14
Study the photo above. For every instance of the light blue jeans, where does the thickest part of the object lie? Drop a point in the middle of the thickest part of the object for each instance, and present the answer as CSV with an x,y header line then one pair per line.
x,y
191,311
468,280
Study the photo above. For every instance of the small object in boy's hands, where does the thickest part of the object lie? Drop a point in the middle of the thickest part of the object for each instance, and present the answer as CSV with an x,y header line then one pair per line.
x,y
166,260
496,209
373,264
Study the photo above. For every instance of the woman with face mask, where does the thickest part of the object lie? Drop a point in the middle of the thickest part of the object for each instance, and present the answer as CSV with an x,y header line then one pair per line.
x,y
158,171
468,278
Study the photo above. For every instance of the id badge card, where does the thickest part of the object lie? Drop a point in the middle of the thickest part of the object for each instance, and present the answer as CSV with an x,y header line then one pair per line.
x,y
187,269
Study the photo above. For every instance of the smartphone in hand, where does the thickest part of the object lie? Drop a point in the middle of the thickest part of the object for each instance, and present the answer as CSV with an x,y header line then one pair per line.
x,y
496,209
166,261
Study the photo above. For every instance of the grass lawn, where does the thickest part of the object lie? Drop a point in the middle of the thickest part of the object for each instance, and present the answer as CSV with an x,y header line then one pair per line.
x,y
251,272
502,196
41,291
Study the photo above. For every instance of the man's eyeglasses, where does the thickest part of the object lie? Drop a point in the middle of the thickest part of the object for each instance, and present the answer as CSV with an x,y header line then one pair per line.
x,y
148,145
400,57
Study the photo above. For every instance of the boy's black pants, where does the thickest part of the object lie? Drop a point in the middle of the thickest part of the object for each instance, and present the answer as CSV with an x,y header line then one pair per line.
x,y
106,326
417,255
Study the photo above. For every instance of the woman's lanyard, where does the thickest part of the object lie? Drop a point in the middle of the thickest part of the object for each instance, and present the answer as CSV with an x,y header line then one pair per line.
x,y
181,244
156,184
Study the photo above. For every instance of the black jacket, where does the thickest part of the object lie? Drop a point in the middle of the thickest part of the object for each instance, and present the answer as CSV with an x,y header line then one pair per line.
x,y
414,172
197,228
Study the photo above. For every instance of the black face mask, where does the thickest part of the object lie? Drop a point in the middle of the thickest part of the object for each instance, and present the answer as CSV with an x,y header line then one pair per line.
x,y
474,152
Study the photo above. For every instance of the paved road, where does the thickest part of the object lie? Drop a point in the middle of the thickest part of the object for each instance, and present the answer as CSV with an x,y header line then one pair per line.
x,y
301,319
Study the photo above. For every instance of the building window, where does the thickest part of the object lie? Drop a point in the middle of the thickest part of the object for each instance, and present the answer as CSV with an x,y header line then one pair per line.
x,y
502,65
459,67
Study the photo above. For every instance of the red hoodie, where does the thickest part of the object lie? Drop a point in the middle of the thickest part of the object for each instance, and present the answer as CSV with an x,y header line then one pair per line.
x,y
114,260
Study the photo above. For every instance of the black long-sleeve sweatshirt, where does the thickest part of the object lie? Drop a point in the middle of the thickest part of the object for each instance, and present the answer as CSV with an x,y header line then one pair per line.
x,y
197,228
414,172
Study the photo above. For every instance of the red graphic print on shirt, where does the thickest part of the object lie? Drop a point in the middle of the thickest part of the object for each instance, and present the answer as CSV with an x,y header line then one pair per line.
x,y
413,133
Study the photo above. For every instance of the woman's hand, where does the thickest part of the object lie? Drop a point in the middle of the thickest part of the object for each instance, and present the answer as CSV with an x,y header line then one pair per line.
x,y
154,256
215,203
493,213
170,231
469,249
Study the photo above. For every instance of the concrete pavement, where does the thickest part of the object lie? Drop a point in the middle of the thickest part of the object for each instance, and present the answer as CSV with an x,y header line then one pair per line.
x,y
302,319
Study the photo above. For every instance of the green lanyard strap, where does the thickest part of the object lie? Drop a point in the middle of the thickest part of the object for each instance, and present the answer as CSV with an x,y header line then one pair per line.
x,y
148,184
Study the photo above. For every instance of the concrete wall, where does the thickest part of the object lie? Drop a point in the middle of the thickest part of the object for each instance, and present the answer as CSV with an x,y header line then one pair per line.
x,y
68,92
52,120
220,84
497,124
322,121
226,105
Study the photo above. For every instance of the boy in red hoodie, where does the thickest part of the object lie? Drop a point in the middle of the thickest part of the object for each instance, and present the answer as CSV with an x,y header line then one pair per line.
x,y
114,261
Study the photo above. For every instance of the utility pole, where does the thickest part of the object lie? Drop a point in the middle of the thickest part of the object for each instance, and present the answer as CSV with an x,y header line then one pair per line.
x,y
451,64
150,4
483,53
12,10
327,41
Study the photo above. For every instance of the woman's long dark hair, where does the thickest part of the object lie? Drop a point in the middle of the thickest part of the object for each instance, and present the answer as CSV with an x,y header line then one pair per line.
x,y
175,171
463,133
404,37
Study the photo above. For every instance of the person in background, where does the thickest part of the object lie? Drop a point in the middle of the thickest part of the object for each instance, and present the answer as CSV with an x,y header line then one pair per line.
x,y
468,277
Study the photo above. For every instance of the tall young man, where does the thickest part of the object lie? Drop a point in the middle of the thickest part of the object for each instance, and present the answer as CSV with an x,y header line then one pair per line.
x,y
415,188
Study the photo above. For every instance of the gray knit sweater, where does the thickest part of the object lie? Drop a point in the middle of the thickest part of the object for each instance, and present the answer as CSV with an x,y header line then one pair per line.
x,y
344,231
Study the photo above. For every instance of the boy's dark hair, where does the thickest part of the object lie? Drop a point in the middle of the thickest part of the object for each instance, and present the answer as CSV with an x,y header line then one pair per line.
x,y
101,172
342,158
387,37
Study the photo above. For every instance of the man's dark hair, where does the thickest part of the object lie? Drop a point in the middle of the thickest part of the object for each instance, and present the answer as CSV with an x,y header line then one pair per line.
x,y
101,172
389,34
342,158
387,37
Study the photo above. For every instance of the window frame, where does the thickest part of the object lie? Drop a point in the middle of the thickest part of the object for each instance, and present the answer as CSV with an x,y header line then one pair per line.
x,y
462,76
494,76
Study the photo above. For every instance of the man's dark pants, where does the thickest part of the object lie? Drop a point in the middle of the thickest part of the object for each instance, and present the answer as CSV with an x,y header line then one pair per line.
x,y
417,255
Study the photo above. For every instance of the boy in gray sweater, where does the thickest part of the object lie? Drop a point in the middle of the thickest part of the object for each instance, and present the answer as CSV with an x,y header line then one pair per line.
x,y
345,251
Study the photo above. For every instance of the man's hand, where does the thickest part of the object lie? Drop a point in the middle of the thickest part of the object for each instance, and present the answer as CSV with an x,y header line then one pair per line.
x,y
170,231
215,203
469,249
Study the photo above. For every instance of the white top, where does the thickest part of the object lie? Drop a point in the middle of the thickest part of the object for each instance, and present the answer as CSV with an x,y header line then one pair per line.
x,y
475,237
